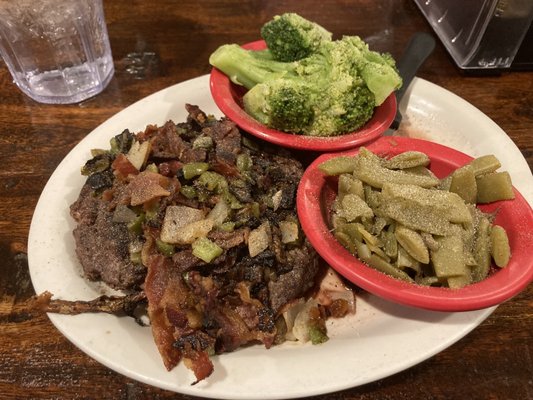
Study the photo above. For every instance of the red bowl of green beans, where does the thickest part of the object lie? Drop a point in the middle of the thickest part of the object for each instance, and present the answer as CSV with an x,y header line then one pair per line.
x,y
364,245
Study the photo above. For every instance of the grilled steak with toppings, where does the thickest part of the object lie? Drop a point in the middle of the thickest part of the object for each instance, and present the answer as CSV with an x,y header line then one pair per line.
x,y
203,221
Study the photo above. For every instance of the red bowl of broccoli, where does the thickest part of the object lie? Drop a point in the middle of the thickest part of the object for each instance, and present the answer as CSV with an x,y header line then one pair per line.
x,y
300,89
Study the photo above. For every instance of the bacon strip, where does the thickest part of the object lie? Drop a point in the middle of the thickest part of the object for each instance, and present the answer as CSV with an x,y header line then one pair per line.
x,y
169,299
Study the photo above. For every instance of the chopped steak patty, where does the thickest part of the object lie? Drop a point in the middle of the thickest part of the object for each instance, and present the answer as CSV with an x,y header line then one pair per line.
x,y
102,246
204,222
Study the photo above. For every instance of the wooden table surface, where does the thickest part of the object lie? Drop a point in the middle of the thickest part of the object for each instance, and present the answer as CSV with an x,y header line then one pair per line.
x,y
495,361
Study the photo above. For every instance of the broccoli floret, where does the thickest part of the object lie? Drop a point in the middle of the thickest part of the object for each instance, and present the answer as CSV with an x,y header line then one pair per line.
x,y
377,70
290,37
282,104
333,90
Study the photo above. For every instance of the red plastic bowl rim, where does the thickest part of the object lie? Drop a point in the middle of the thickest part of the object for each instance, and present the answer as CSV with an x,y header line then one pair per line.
x,y
497,288
222,90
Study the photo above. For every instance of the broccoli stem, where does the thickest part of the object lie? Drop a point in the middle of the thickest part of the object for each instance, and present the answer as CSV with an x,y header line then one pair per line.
x,y
248,67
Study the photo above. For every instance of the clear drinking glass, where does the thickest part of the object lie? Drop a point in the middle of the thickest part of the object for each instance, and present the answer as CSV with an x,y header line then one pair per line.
x,y
56,50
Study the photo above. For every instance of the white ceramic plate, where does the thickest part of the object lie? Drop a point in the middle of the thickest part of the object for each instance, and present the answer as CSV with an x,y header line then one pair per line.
x,y
381,339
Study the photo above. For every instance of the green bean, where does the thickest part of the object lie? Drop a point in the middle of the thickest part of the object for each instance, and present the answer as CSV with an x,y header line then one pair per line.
x,y
494,187
390,244
372,173
415,216
346,241
407,159
429,241
378,224
352,230
404,261
482,250
463,183
338,165
485,164
378,251
457,282
446,204
448,259
348,184
353,207
445,183
500,250
363,252
381,265
372,196
413,243
367,236
427,280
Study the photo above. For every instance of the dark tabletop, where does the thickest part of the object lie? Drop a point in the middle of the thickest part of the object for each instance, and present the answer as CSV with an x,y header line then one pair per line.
x,y
160,43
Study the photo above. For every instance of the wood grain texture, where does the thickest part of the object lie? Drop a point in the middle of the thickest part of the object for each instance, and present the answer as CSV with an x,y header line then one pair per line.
x,y
495,361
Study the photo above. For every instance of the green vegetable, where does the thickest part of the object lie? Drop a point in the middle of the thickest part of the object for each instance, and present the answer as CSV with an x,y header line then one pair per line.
x,y
97,164
354,207
318,334
448,259
164,248
332,90
193,169
500,249
407,159
463,182
413,243
122,142
494,186
188,191
485,164
482,250
338,165
244,162
203,142
213,181
290,37
381,265
135,226
205,249
401,220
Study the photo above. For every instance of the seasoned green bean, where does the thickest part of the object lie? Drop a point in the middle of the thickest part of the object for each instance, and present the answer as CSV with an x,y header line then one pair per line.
x,y
396,216
383,266
463,182
448,259
446,204
408,159
494,187
413,243
353,208
500,249
348,184
338,165
376,175
482,250
415,216
485,164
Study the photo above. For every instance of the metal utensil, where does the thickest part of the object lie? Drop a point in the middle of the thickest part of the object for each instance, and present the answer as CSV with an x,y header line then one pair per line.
x,y
417,51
